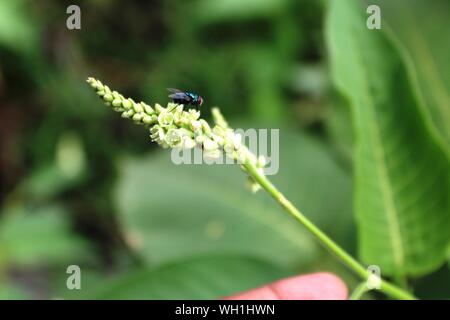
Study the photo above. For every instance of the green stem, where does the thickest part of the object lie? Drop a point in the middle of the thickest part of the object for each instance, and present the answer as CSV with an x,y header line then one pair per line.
x,y
386,287
359,291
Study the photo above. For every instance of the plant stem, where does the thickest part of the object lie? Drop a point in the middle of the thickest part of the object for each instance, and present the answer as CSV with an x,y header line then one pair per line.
x,y
359,291
386,287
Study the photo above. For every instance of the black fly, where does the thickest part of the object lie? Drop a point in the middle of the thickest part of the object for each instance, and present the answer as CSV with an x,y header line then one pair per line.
x,y
186,98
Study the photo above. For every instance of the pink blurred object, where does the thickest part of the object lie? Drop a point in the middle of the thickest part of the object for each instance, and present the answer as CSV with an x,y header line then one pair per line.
x,y
316,286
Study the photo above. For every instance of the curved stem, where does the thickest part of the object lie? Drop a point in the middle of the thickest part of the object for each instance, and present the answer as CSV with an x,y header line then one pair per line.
x,y
359,291
386,287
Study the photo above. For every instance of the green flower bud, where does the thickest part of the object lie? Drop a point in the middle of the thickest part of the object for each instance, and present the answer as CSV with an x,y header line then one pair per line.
x,y
117,103
138,117
138,107
100,86
218,118
147,119
218,130
127,114
92,82
205,126
159,109
116,95
107,89
148,110
126,104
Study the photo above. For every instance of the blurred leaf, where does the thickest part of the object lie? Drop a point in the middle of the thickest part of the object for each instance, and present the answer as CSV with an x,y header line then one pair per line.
x,y
68,170
427,51
17,30
41,237
402,174
264,71
220,10
11,292
338,126
54,180
315,182
198,278
170,211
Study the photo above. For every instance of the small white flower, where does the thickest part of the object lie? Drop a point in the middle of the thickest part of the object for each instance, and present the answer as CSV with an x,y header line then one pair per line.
x,y
220,141
174,137
237,141
188,143
261,161
193,114
199,139
212,154
196,125
252,185
219,131
157,133
165,119
209,145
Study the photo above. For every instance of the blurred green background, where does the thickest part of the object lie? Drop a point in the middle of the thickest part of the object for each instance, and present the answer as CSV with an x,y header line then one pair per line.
x,y
81,186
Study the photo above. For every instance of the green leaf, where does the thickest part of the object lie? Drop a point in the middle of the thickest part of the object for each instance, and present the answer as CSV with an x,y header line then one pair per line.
x,y
169,211
401,172
198,278
39,237
417,27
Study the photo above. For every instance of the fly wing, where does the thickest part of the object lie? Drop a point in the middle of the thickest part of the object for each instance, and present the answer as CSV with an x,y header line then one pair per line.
x,y
179,96
173,90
